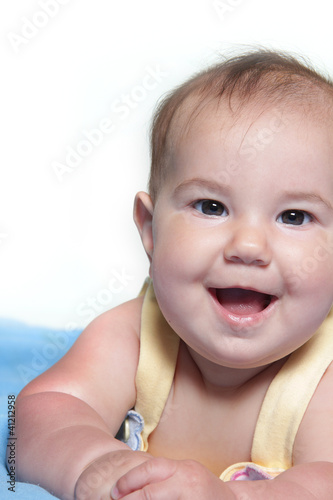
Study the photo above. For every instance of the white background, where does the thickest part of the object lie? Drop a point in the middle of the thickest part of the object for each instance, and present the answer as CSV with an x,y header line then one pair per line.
x,y
67,66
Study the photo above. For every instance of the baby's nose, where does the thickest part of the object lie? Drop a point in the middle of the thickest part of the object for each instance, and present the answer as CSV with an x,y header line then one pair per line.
x,y
248,244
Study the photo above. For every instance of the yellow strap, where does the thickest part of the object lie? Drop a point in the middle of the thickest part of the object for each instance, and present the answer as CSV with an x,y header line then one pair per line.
x,y
288,397
157,361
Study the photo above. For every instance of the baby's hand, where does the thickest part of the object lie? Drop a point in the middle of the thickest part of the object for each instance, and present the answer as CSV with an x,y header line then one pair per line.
x,y
98,478
164,479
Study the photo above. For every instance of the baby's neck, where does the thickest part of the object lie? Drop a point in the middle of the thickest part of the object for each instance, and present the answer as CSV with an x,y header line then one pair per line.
x,y
223,379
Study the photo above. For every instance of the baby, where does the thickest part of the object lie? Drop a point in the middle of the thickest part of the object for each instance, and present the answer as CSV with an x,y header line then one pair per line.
x,y
219,374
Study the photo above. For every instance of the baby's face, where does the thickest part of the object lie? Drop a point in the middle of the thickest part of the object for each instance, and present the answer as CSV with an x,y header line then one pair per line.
x,y
242,262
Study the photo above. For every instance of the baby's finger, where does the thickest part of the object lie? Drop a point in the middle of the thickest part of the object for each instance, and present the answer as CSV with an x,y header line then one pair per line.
x,y
152,471
166,490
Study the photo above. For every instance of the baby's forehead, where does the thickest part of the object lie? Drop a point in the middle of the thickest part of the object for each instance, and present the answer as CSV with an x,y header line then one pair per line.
x,y
222,114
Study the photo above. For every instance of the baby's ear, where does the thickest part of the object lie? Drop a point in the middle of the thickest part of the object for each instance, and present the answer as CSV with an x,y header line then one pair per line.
x,y
143,218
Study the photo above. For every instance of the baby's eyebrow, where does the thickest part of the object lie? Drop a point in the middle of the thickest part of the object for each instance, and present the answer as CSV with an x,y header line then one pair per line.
x,y
214,186
307,196
210,185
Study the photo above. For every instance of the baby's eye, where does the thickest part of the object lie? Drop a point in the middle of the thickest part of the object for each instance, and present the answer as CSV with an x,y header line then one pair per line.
x,y
295,217
210,207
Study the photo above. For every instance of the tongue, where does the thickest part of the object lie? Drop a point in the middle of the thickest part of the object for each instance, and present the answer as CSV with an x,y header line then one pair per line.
x,y
242,302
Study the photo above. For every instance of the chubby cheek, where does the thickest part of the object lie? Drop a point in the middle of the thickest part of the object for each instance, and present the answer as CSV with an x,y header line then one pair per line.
x,y
180,253
311,277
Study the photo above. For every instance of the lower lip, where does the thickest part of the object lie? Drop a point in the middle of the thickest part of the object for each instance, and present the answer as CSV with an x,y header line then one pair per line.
x,y
241,321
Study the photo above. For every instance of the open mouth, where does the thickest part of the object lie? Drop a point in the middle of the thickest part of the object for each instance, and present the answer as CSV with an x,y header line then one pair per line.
x,y
242,302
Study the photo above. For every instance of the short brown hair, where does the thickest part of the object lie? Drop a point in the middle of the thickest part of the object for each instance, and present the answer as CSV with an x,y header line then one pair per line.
x,y
255,75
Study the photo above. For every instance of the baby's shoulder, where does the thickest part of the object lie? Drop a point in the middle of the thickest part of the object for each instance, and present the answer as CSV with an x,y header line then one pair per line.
x,y
315,434
125,316
322,397
114,329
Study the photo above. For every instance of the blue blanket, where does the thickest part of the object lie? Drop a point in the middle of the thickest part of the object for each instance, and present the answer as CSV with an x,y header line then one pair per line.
x,y
25,352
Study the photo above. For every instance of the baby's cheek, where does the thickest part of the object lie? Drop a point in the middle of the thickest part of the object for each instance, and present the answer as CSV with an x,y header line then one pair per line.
x,y
306,269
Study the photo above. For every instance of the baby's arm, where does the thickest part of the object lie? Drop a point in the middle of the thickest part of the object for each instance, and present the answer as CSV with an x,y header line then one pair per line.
x,y
67,417
164,479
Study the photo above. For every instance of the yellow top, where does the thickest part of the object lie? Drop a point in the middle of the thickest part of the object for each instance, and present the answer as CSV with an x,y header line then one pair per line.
x,y
283,407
